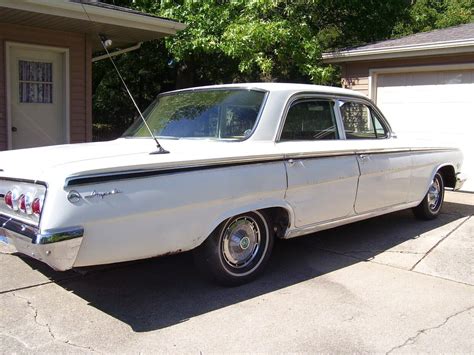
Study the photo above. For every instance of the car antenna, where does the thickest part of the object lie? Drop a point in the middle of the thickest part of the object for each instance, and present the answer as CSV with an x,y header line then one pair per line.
x,y
105,43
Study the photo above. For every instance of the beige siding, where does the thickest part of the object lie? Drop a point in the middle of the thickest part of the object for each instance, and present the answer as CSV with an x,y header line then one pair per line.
x,y
79,75
355,75
360,84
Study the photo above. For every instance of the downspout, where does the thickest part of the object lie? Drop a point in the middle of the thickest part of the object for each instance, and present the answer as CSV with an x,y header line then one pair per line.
x,y
121,51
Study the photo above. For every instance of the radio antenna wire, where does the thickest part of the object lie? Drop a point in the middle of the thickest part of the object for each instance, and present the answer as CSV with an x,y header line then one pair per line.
x,y
103,39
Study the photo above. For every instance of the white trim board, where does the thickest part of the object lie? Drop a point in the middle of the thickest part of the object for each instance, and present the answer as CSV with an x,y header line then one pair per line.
x,y
97,14
65,51
415,50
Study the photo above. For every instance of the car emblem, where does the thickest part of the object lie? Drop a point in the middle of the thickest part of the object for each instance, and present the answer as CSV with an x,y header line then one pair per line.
x,y
100,194
74,196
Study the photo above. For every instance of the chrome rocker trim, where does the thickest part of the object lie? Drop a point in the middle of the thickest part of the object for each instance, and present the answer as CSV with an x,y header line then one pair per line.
x,y
56,247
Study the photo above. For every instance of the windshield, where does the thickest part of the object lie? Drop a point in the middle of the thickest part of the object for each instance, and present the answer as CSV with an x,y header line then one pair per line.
x,y
215,114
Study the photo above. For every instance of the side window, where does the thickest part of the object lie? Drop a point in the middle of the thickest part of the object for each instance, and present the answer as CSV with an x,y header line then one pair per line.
x,y
310,120
361,122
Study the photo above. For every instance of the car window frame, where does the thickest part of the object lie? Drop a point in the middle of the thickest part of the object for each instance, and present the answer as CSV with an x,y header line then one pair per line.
x,y
313,97
303,100
372,107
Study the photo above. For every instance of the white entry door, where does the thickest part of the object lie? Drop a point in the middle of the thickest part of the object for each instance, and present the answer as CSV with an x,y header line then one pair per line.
x,y
36,96
432,105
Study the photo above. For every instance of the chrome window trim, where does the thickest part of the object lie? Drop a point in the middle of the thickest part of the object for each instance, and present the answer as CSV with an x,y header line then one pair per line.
x,y
204,88
371,106
315,95
297,101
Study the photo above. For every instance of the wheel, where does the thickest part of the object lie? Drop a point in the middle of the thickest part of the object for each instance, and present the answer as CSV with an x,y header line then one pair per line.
x,y
431,205
238,249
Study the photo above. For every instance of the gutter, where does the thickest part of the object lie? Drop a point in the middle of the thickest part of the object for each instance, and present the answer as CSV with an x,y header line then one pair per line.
x,y
434,48
100,15
121,51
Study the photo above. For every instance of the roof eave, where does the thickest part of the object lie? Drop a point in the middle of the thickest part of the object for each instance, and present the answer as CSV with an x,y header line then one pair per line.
x,y
419,50
98,14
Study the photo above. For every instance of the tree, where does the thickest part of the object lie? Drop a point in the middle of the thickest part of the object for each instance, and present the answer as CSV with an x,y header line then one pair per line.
x,y
427,15
257,40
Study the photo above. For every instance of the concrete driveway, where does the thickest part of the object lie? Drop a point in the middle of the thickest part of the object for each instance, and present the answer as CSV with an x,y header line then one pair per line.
x,y
387,285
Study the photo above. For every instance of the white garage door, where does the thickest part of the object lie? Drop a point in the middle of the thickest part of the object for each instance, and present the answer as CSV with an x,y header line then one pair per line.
x,y
427,105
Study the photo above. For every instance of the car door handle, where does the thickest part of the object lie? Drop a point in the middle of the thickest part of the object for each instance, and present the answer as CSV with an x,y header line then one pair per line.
x,y
14,129
291,162
363,156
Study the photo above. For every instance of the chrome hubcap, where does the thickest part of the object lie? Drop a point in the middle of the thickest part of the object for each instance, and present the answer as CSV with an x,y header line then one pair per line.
x,y
241,242
434,195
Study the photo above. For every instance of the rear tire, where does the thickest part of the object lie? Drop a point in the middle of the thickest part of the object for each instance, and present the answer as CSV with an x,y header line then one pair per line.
x,y
237,250
431,205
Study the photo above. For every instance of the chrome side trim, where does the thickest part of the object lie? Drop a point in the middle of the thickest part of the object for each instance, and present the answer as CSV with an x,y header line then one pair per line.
x,y
312,228
27,181
225,163
59,235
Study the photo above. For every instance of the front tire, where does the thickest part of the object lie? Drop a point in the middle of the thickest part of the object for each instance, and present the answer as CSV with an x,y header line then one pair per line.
x,y
237,250
431,205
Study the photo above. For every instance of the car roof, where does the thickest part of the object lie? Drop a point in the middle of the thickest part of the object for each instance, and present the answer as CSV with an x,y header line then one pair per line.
x,y
281,87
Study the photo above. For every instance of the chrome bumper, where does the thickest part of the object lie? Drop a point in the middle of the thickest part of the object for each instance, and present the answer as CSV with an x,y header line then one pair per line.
x,y
56,247
460,180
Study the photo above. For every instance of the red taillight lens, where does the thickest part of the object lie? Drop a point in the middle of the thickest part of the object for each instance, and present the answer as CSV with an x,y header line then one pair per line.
x,y
36,206
22,203
9,199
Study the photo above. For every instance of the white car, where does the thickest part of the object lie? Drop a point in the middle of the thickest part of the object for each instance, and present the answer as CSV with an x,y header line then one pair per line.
x,y
244,164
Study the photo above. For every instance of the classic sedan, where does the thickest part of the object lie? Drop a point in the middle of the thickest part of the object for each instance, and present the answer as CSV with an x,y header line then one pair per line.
x,y
236,167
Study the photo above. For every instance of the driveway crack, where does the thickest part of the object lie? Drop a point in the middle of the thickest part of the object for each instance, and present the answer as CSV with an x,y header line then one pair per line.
x,y
411,340
439,242
47,326
35,315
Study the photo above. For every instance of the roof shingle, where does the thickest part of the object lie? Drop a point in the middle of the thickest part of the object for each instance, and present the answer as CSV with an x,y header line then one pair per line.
x,y
456,33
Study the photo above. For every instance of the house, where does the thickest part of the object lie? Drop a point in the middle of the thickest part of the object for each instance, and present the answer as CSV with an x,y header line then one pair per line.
x,y
424,83
47,49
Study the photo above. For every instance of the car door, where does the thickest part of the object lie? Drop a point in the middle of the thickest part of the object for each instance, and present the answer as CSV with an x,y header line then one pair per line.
x,y
385,167
322,174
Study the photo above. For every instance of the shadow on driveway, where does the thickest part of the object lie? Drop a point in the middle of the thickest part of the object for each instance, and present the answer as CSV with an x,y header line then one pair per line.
x,y
158,293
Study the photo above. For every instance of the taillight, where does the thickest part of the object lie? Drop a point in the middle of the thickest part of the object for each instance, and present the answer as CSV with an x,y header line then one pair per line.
x,y
24,199
22,203
36,206
25,203
9,199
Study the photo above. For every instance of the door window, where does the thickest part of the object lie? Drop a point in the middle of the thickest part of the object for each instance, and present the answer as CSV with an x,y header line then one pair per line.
x,y
361,122
35,82
310,120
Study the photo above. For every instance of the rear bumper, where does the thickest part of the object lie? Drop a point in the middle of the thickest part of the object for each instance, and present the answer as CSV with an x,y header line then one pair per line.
x,y
460,180
56,247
